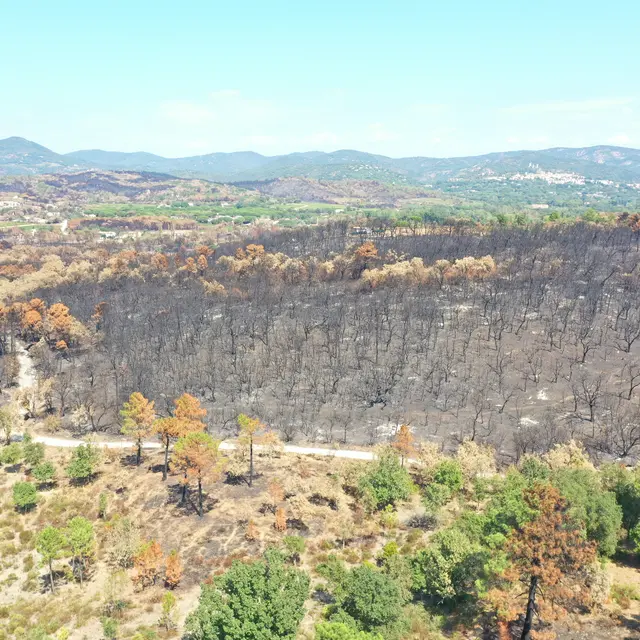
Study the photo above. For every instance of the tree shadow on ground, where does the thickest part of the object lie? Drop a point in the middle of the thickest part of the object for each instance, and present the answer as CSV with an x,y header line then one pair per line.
x,y
632,623
189,506
129,460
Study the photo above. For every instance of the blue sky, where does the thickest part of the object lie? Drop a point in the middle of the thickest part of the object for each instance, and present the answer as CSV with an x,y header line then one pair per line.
x,y
393,77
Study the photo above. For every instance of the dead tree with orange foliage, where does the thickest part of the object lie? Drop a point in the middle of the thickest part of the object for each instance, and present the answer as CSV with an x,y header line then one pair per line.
x,y
403,443
251,532
548,554
280,523
187,418
197,456
147,564
168,430
173,570
364,257
58,323
276,493
188,409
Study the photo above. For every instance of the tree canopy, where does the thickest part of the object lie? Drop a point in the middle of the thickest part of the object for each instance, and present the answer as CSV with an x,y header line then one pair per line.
x,y
262,600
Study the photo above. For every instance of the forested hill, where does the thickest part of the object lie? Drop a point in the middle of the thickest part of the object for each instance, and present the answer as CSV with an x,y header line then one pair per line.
x,y
19,157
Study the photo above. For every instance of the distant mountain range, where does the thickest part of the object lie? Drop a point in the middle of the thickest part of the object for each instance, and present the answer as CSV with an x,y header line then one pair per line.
x,y
23,157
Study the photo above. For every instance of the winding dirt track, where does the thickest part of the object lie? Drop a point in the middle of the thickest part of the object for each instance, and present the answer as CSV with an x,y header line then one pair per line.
x,y
229,446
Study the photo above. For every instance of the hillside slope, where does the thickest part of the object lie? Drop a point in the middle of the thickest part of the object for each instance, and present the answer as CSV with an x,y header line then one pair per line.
x,y
20,157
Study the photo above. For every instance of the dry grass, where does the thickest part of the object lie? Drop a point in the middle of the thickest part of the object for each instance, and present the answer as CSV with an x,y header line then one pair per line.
x,y
315,505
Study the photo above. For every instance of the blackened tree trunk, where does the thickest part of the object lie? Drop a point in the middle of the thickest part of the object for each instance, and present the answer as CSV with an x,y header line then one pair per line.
x,y
53,589
184,489
251,461
166,460
531,605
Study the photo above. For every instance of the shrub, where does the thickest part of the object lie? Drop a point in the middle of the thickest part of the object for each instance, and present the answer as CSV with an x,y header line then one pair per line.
x,y
295,546
334,572
25,537
569,454
435,496
33,453
144,633
385,482
534,469
109,628
44,472
123,541
388,518
449,474
272,611
390,549
594,508
11,454
168,619
371,598
84,460
475,460
623,594
102,505
25,496
447,569
52,424
342,631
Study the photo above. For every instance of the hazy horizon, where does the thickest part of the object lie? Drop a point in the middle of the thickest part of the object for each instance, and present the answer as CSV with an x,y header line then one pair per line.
x,y
307,151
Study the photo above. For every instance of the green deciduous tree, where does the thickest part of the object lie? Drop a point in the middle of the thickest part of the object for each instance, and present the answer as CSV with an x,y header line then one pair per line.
x,y
44,472
84,461
33,452
449,474
508,509
25,496
371,598
626,485
263,600
81,541
534,469
11,454
386,481
8,419
448,567
595,509
50,544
